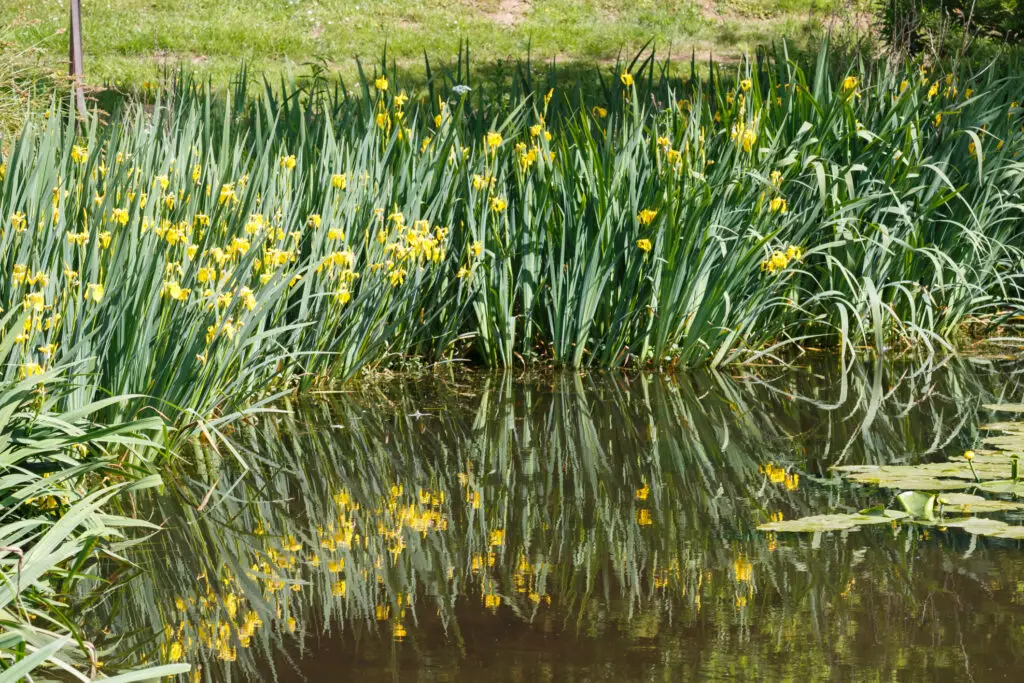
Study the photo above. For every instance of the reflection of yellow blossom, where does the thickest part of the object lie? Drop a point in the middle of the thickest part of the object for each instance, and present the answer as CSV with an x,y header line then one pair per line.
x,y
742,568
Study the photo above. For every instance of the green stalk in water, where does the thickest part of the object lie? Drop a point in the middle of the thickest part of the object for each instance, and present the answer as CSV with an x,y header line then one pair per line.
x,y
969,457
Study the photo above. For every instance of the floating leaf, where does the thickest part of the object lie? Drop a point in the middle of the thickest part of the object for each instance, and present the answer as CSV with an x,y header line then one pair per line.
x,y
917,504
1012,427
1015,532
835,522
810,524
933,476
965,502
1006,442
980,526
1006,486
907,481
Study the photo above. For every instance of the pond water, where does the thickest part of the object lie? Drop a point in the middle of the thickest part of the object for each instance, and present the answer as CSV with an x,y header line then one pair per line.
x,y
580,528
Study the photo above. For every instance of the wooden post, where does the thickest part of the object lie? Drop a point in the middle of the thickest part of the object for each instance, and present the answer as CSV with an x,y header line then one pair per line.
x,y
75,59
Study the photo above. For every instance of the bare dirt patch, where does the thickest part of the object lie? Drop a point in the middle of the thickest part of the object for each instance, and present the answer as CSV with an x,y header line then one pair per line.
x,y
508,13
708,10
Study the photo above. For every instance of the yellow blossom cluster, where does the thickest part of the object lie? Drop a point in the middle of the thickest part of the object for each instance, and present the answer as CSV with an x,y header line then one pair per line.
x,y
779,260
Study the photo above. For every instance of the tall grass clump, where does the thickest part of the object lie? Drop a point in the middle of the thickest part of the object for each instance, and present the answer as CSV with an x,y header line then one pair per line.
x,y
11,108
214,244
22,76
59,476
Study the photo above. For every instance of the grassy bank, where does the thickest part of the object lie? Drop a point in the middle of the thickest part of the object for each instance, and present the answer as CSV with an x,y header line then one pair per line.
x,y
129,42
225,245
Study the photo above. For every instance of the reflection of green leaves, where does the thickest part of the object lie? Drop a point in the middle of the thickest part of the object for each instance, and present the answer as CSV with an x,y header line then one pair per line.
x,y
1005,407
589,481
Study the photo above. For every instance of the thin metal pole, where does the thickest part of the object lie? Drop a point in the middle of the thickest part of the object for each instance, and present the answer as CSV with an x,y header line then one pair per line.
x,y
75,59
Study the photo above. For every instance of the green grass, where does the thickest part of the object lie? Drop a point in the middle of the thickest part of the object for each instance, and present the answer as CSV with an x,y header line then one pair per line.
x,y
21,76
128,42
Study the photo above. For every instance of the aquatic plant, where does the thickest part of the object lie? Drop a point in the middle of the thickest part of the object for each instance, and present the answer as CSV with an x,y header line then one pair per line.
x,y
59,474
225,243
936,493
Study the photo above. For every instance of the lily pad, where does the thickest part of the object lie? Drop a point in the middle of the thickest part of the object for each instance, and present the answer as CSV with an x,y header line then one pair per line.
x,y
878,515
1006,442
836,522
980,526
1013,426
1007,486
934,476
892,478
917,504
965,502
810,524
1015,532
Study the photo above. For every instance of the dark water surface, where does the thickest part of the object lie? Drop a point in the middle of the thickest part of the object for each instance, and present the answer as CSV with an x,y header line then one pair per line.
x,y
581,528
